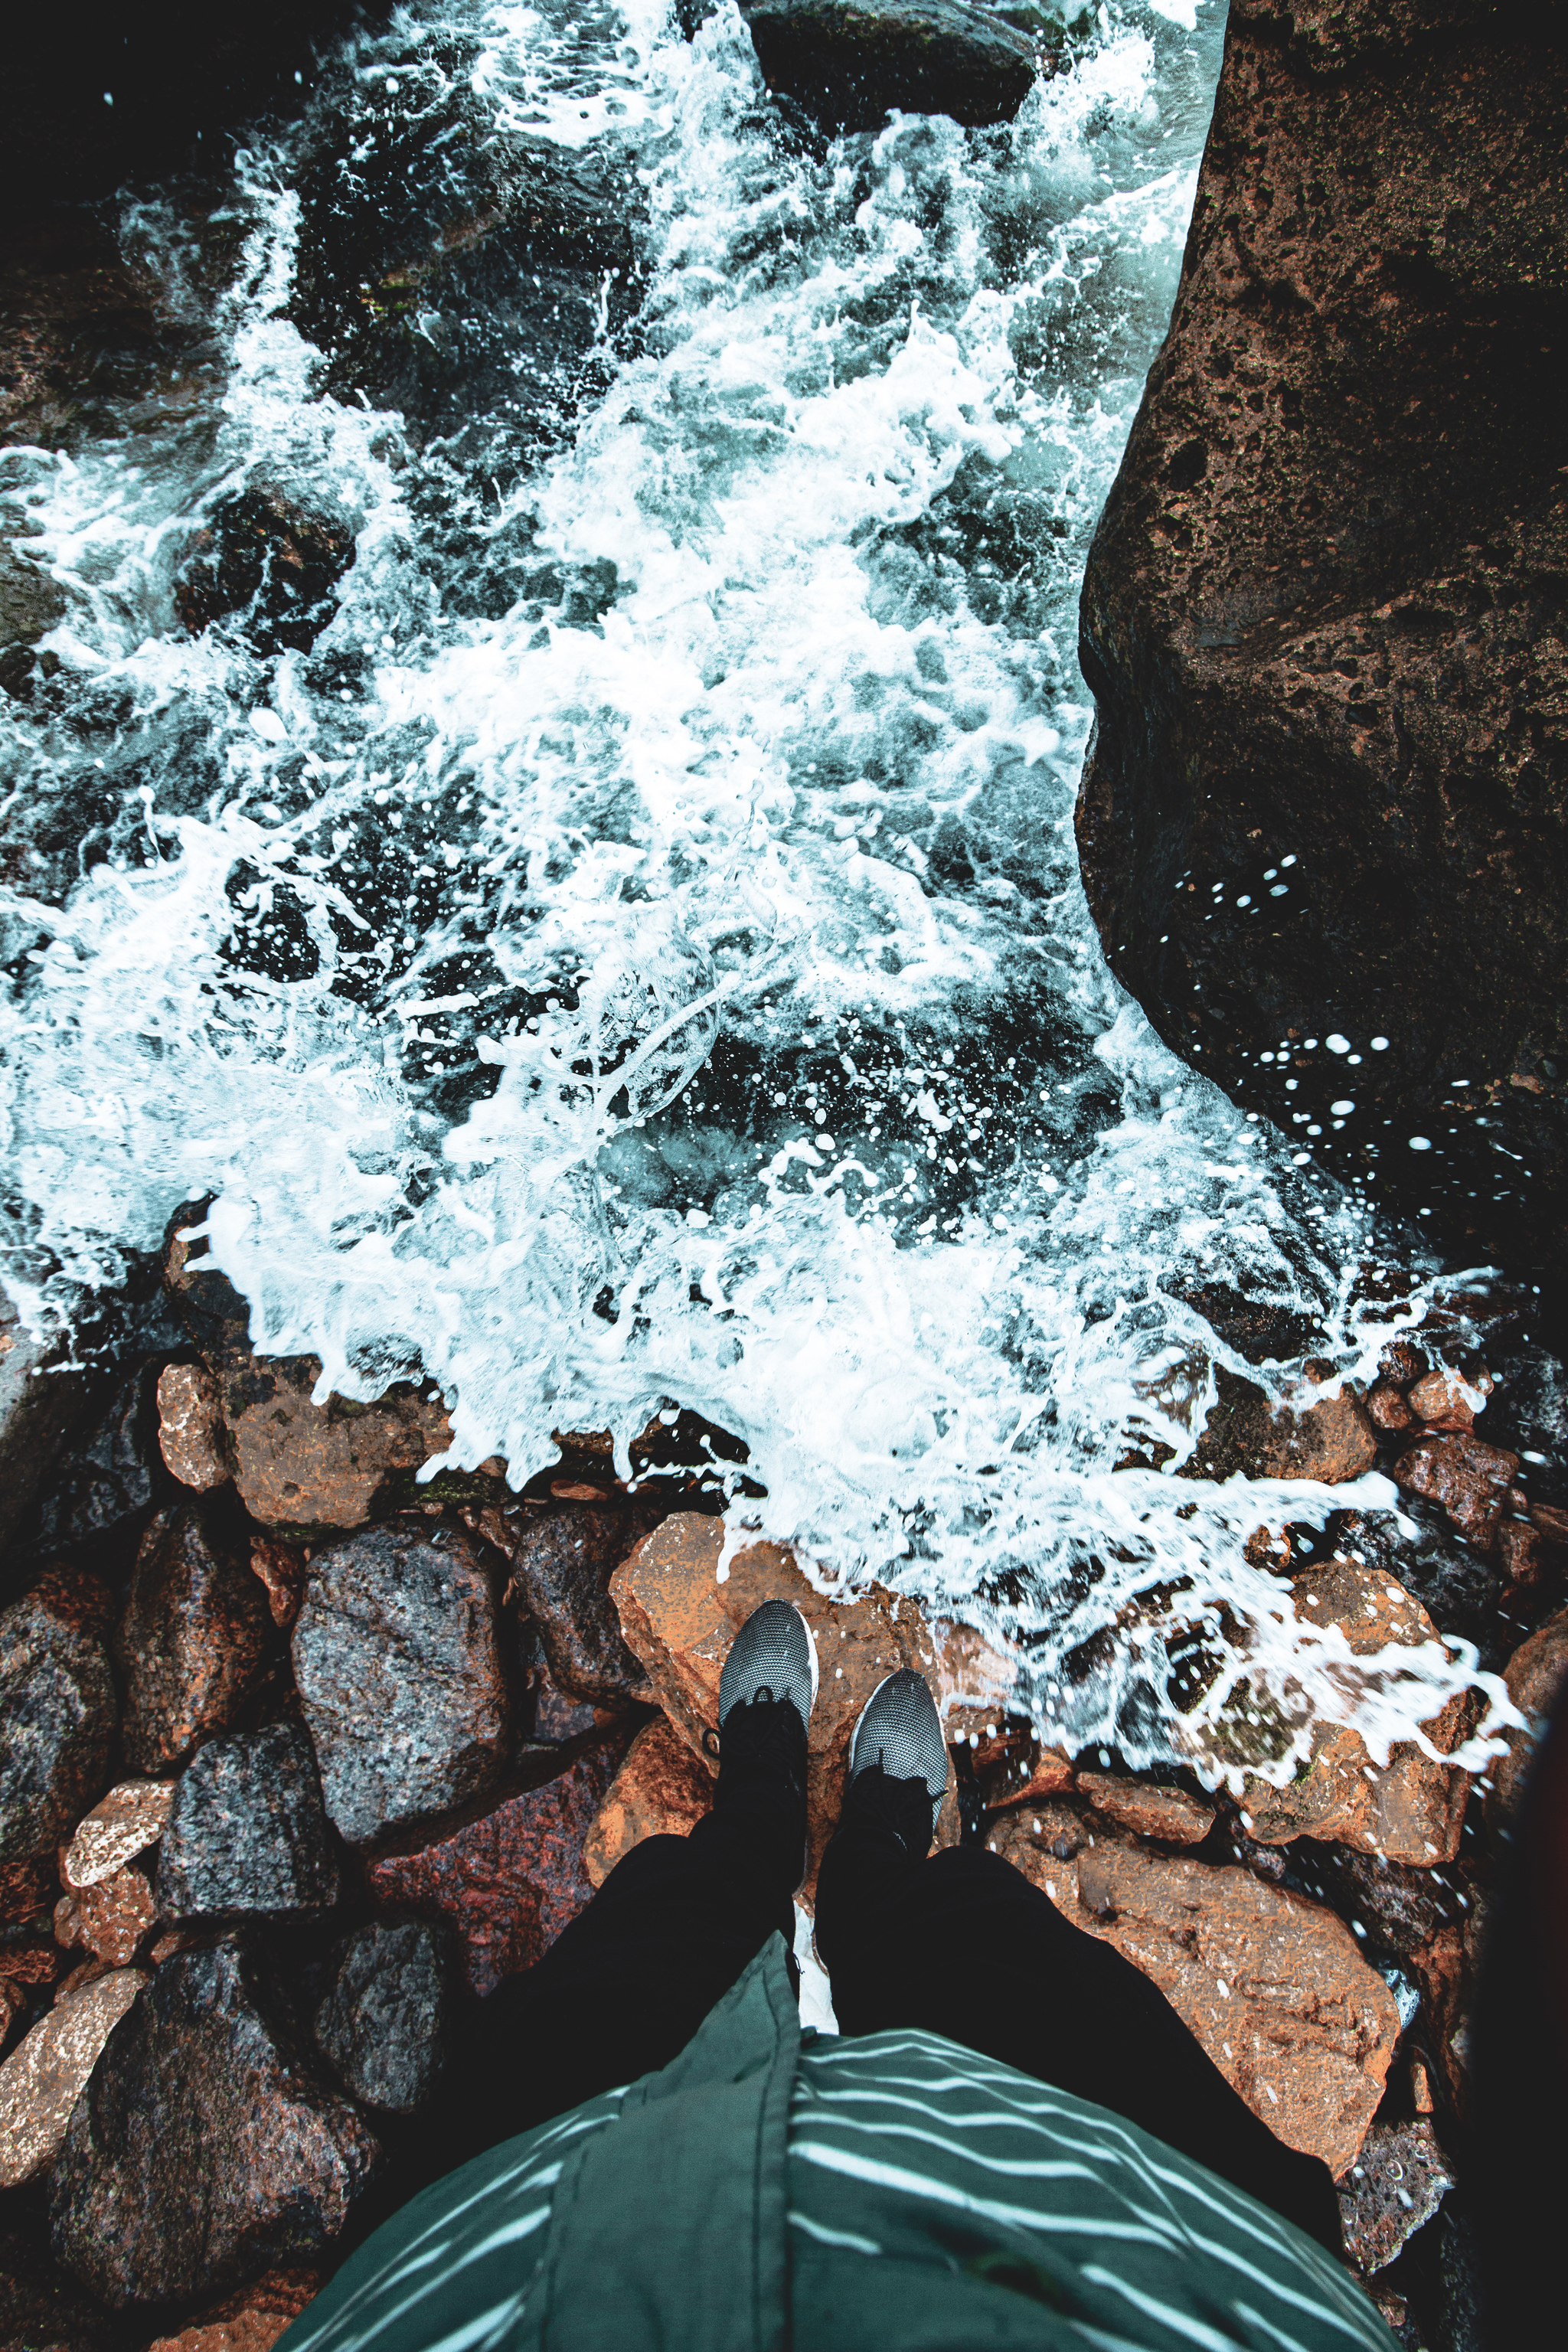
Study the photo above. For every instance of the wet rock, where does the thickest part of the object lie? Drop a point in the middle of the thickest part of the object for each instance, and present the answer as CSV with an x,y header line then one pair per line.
x,y
193,1640
507,1879
1394,2190
250,2320
190,1426
434,250
397,1659
43,2310
554,1715
1271,1984
1332,1441
31,604
1445,1400
562,1562
1467,1476
1410,1808
1400,1906
1039,1773
57,1699
1534,1675
269,567
281,1569
208,2147
680,1621
1147,1810
42,2080
105,1478
108,1918
1389,1411
38,1407
1301,646
1531,1568
848,62
388,2024
661,1790
248,1836
121,1826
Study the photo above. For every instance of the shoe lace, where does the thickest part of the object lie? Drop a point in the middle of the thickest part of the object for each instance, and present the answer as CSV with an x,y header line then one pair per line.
x,y
905,1807
760,1734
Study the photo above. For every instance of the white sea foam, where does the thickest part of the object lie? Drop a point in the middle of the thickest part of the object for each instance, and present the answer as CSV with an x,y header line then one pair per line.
x,y
699,820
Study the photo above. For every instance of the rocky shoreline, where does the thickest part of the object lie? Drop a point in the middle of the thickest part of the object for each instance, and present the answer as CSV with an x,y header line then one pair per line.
x,y
305,1759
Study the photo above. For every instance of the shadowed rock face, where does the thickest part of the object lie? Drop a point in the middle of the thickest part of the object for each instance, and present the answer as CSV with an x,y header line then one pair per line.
x,y
1323,613
848,61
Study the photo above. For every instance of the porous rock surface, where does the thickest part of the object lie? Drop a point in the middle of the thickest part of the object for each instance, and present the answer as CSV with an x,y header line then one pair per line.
x,y
1323,613
848,62
507,1878
1409,1809
388,2022
661,1790
250,2320
109,1918
191,1640
680,1621
1170,1815
248,1837
132,1817
1271,1984
1392,2190
398,1667
208,2147
58,1703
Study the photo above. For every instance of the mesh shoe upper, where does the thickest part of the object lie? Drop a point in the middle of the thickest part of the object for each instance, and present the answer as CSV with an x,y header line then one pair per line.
x,y
899,1732
773,1652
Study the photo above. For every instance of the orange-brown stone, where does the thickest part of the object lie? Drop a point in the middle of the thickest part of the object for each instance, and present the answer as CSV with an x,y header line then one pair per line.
x,y
662,1790
108,1918
250,2321
1169,1814
1534,1675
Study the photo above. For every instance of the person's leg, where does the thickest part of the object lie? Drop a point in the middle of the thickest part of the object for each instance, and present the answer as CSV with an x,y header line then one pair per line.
x,y
962,1945
626,1984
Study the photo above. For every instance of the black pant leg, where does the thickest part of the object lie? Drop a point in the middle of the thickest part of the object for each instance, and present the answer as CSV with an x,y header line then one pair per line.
x,y
626,1984
963,1946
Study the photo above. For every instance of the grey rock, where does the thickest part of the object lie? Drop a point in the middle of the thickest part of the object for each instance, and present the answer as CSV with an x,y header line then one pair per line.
x,y
398,1660
193,1639
248,1835
38,1406
206,2146
57,1705
1392,2189
30,605
388,2022
109,1474
1401,1907
848,61
561,1565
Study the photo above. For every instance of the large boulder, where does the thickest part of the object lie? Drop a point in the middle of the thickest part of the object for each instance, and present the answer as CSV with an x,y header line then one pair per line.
x,y
680,1619
388,2021
850,62
193,1640
1271,1984
397,1659
248,1837
207,2147
1321,825
507,1876
57,1700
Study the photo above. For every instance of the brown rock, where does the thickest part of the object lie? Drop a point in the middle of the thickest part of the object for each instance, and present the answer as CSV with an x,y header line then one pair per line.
x,y
398,1665
1534,1675
85,1972
32,1963
1531,1564
661,1790
1409,1809
1039,1773
562,1562
1552,1520
1448,1972
509,1879
1331,1441
1388,1409
281,1567
192,1640
680,1621
250,2321
1147,1810
1467,1476
1272,1984
133,1817
189,1426
1446,1400
43,2078
108,1918
1403,1361
208,2147
25,1889
1393,2191
334,1466
1319,614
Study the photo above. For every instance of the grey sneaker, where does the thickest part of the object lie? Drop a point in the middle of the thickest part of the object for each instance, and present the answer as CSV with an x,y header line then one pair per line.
x,y
772,1657
898,1741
